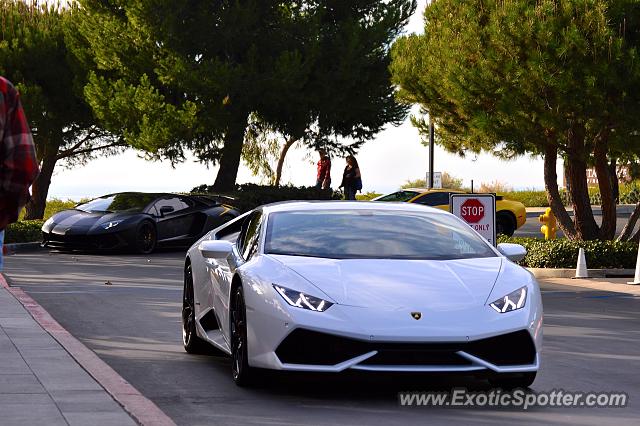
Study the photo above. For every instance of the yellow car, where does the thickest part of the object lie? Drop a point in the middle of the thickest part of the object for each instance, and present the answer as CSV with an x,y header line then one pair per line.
x,y
510,215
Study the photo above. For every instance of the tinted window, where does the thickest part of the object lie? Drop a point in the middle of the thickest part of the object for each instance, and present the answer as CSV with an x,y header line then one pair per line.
x,y
371,234
434,199
176,203
127,202
250,236
399,196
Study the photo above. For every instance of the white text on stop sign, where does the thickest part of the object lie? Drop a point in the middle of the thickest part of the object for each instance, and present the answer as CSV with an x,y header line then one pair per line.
x,y
472,210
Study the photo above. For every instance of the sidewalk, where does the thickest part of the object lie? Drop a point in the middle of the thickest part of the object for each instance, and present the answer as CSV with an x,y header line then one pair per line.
x,y
614,285
40,383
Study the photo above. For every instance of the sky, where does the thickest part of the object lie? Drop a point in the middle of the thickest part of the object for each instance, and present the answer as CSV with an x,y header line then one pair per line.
x,y
386,162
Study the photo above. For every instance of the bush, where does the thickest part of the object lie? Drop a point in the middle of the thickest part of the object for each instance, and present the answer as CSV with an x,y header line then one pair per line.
x,y
563,253
495,187
530,198
250,196
24,231
367,196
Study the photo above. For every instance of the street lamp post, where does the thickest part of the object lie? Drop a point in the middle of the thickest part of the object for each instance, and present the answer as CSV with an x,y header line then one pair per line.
x,y
431,150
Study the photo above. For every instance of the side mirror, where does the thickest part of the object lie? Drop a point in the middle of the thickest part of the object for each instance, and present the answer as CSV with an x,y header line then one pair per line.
x,y
513,252
166,210
216,249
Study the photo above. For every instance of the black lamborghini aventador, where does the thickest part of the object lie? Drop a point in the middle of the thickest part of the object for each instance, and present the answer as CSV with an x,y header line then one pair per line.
x,y
137,221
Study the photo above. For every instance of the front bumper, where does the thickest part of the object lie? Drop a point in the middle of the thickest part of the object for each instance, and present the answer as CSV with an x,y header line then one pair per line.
x,y
348,337
107,241
308,350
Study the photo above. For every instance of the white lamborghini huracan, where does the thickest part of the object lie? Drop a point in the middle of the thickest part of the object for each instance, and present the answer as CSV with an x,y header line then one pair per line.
x,y
332,286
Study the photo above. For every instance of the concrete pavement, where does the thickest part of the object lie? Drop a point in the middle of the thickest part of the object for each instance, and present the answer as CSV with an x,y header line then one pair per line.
x,y
40,383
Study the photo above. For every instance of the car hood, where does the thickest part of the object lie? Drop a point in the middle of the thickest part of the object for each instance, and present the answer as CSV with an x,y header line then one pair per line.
x,y
401,284
72,221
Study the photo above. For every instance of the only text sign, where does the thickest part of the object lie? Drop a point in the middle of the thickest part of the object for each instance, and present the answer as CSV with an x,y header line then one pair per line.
x,y
478,210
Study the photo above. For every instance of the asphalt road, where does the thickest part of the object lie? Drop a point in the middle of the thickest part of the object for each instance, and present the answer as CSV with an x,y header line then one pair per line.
x,y
591,344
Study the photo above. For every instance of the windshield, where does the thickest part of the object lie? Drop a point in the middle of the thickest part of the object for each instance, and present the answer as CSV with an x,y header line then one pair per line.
x,y
128,202
399,196
373,234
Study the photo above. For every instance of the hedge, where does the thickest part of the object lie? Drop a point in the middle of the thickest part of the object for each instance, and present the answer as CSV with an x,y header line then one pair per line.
x,y
24,231
250,196
563,253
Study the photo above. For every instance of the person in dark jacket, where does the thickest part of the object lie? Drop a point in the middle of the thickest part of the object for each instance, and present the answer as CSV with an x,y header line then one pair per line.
x,y
351,181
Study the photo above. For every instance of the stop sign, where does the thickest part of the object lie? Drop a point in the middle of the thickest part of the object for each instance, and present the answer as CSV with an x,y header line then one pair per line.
x,y
472,210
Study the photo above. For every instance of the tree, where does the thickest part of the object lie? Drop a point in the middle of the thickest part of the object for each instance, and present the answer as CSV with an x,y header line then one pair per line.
x,y
545,78
347,93
182,75
34,56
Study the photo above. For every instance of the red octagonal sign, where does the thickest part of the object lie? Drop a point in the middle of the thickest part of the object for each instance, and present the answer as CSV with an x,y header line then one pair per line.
x,y
472,210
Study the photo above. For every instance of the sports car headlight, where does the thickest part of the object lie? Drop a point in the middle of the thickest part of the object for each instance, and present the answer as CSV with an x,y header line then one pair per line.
x,y
301,300
111,224
511,302
48,222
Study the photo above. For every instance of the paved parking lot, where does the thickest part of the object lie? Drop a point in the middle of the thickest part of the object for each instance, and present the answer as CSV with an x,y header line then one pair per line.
x,y
127,309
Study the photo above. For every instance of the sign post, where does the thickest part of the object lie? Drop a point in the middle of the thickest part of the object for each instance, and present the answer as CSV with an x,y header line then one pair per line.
x,y
478,210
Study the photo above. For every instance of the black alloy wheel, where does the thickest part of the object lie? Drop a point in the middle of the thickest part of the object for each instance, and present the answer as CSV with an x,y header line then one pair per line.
x,y
243,375
146,237
192,343
505,225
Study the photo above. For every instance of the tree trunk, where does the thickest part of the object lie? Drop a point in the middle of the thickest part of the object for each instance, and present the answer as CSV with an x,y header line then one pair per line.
x,y
608,204
630,225
586,226
288,144
231,153
40,188
553,195
615,185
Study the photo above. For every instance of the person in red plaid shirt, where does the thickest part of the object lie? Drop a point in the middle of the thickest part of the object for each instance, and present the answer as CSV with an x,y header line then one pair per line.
x,y
323,180
18,164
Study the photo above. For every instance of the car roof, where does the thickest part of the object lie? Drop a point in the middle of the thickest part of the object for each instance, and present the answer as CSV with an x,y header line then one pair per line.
x,y
155,194
285,206
425,190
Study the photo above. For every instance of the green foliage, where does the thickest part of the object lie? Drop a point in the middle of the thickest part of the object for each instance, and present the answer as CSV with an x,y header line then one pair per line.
x,y
178,75
563,253
508,76
529,77
250,196
530,198
34,55
25,231
367,196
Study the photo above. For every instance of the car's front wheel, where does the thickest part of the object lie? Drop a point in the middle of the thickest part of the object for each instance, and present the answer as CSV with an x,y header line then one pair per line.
x,y
192,343
243,375
509,381
146,237
505,224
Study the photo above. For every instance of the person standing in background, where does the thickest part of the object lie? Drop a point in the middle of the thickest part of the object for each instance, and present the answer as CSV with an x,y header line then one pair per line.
x,y
18,163
323,180
351,180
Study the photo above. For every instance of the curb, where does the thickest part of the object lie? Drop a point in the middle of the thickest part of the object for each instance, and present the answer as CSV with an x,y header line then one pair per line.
x,y
570,273
142,409
13,248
